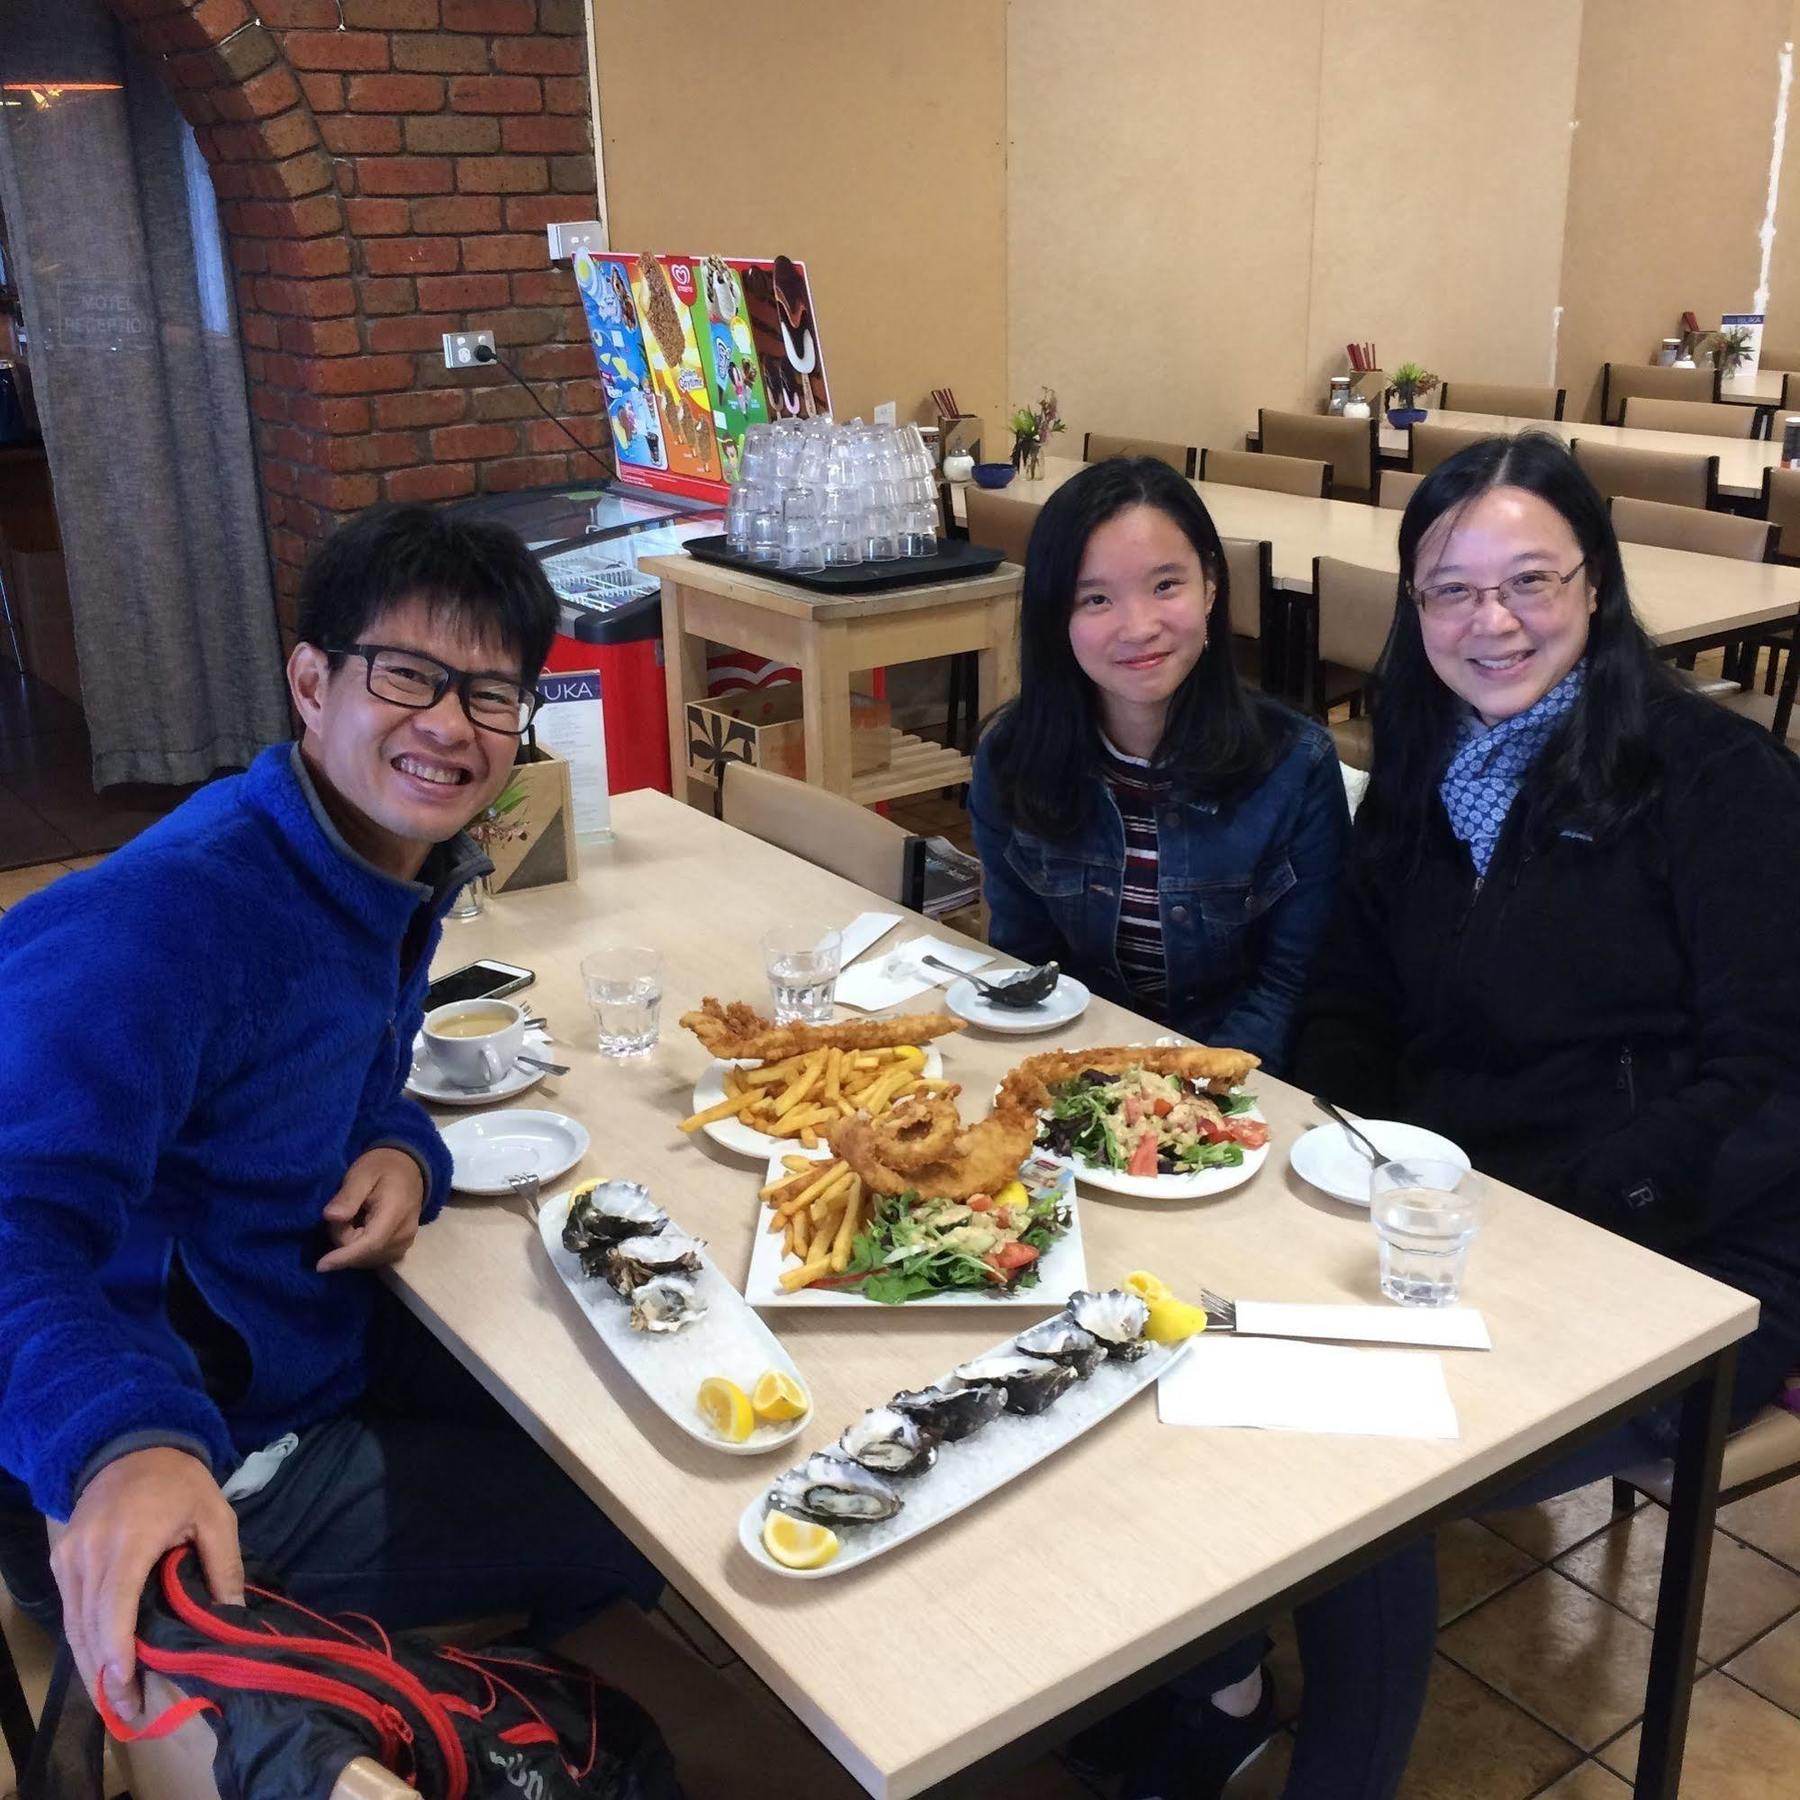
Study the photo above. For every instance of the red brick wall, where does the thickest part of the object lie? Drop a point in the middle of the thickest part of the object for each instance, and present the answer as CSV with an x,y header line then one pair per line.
x,y
379,185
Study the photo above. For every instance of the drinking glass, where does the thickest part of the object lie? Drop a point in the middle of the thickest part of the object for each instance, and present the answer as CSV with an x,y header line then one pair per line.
x,y
623,983
802,967
1426,1224
764,545
738,508
918,531
842,525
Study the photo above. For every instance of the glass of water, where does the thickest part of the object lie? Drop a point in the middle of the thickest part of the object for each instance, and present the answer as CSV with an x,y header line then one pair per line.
x,y
623,983
802,967
1426,1225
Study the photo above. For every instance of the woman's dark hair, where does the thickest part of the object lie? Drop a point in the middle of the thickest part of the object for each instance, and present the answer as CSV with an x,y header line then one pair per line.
x,y
1600,767
471,570
1214,740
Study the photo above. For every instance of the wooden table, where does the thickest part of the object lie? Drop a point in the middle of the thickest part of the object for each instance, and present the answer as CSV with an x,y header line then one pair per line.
x,y
1682,597
1139,1547
828,638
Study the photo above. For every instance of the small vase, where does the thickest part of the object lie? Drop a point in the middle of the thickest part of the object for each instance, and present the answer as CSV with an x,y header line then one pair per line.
x,y
467,904
1028,458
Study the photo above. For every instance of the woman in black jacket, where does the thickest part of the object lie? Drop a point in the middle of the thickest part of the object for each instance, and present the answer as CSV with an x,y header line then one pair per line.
x,y
1566,941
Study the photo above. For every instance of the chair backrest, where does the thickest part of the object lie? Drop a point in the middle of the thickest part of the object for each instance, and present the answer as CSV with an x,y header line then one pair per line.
x,y
1000,523
1509,402
1428,444
1347,444
1781,507
1356,611
825,829
1689,528
1790,394
1249,566
1279,474
1097,446
1620,381
1397,487
1709,418
1649,474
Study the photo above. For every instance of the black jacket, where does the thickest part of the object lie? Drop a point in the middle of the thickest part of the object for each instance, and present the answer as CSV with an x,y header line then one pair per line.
x,y
1613,1026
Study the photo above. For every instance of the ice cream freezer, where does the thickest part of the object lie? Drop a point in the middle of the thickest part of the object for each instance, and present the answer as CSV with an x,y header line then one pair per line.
x,y
588,538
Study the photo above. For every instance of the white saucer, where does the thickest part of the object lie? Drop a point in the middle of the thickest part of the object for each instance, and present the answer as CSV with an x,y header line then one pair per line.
x,y
488,1149
1067,1000
1328,1157
428,1082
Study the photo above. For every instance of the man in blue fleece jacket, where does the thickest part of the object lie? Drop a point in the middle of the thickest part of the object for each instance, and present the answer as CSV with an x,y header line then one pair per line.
x,y
206,1150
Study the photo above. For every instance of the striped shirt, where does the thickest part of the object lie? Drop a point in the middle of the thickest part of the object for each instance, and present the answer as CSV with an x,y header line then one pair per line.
x,y
1137,792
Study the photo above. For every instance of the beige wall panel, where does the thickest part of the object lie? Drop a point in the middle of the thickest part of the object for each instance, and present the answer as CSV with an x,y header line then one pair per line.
x,y
1159,211
1668,177
1443,176
866,138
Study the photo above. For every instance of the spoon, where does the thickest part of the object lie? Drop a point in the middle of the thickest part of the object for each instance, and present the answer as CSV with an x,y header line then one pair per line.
x,y
1405,1176
537,1062
1024,988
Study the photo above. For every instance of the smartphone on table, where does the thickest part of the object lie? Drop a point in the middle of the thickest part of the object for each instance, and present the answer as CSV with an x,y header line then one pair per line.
x,y
480,980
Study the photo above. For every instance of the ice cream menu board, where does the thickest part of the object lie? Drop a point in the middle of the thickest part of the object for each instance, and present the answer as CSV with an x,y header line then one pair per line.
x,y
692,350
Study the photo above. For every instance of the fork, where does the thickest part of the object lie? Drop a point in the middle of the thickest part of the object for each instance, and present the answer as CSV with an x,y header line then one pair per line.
x,y
1221,1314
526,1188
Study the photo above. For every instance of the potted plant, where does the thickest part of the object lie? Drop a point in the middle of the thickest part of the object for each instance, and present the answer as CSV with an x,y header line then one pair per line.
x,y
1407,385
1032,428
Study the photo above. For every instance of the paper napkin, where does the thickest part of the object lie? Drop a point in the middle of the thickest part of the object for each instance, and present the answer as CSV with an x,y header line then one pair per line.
x,y
899,975
866,929
1445,1327
1274,1385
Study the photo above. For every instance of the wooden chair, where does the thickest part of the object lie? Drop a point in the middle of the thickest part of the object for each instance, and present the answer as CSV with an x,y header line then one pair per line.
x,y
825,829
1349,445
1677,479
1781,507
1508,402
1276,474
1256,641
1428,445
1619,382
1764,1454
1397,487
1351,617
1000,523
1709,419
1097,446
1790,390
1689,528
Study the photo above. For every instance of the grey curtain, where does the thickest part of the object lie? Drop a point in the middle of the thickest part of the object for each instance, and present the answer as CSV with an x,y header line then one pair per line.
x,y
140,387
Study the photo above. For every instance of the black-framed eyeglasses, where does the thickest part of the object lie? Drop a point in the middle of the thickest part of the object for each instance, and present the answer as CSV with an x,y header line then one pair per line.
x,y
411,679
1529,591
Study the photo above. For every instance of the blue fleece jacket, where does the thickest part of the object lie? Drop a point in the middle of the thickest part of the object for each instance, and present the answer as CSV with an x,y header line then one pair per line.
x,y
197,1038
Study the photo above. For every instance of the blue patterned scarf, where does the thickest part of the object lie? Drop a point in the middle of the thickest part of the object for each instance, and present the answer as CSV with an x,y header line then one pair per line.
x,y
1490,764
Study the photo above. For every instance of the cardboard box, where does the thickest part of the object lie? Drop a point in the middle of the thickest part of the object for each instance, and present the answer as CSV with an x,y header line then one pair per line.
x,y
762,726
529,832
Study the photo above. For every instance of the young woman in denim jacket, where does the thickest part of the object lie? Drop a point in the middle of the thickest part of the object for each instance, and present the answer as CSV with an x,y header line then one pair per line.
x,y
1168,837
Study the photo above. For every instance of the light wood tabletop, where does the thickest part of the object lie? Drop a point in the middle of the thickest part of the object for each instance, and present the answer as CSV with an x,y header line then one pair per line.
x,y
1131,1543
1680,595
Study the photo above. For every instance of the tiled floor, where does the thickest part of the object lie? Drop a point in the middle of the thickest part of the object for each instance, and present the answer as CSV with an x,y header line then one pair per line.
x,y
49,810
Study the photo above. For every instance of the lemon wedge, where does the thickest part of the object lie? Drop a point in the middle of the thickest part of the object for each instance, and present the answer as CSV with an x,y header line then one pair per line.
x,y
1171,1320
1146,1286
777,1396
797,1545
726,1408
909,1053
1013,1194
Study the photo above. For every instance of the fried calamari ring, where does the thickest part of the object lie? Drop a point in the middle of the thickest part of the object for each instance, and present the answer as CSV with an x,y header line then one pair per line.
x,y
916,1131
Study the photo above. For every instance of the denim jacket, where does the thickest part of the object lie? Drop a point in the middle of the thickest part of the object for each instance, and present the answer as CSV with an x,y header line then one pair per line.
x,y
1246,887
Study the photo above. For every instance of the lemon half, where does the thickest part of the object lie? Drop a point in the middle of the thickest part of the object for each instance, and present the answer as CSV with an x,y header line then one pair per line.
x,y
778,1396
1171,1320
1146,1286
726,1408
796,1544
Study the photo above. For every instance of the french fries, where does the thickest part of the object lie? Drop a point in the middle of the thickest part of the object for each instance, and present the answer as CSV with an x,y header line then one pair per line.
x,y
802,1094
818,1209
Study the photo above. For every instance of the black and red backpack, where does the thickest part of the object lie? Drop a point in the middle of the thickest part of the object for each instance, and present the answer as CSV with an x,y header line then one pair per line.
x,y
296,1696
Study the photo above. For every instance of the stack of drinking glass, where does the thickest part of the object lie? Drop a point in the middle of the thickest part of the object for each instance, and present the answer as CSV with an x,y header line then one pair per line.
x,y
813,495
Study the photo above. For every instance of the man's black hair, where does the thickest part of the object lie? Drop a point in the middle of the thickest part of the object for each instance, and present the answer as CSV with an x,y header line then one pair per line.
x,y
471,570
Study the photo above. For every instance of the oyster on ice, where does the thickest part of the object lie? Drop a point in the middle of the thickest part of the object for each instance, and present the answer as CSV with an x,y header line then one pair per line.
x,y
835,1491
1063,1341
889,1442
1115,1317
633,1261
951,1414
1029,1382
604,1213
665,1303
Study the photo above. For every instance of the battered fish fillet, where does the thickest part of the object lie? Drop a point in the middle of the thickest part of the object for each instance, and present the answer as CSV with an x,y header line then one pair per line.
x,y
981,1160
739,1031
1028,1086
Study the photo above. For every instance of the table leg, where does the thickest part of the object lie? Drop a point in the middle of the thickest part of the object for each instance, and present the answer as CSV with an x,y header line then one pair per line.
x,y
684,679
824,663
997,666
1687,1546
15,1710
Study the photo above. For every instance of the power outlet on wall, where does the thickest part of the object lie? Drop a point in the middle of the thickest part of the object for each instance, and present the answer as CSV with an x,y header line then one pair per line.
x,y
884,413
459,348
566,237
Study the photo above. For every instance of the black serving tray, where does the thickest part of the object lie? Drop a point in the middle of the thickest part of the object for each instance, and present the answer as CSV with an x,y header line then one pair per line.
x,y
955,560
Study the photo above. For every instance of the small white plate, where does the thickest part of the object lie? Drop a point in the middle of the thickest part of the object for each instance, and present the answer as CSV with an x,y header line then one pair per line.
x,y
731,1133
428,1082
488,1149
1067,1000
1062,1270
1203,1184
1328,1157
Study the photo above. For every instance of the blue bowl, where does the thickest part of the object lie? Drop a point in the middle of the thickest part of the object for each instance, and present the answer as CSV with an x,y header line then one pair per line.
x,y
992,475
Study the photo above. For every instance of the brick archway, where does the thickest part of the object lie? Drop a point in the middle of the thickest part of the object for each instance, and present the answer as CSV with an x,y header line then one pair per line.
x,y
384,170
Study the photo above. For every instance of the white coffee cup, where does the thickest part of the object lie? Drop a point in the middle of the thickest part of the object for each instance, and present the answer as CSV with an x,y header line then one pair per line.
x,y
475,1042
